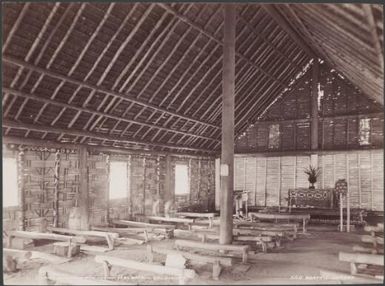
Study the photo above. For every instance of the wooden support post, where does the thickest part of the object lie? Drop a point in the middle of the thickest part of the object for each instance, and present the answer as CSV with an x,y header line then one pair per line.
x,y
227,158
314,106
56,190
83,188
167,183
341,213
347,196
21,189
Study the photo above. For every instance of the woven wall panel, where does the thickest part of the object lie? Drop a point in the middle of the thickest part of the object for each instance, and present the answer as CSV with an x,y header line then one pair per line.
x,y
340,98
276,175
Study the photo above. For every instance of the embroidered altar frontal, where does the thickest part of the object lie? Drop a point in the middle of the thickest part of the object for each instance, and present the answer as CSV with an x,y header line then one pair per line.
x,y
311,198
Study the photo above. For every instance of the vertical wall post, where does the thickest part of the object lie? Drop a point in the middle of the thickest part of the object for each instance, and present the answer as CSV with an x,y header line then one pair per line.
x,y
167,183
56,190
21,166
83,188
314,106
227,158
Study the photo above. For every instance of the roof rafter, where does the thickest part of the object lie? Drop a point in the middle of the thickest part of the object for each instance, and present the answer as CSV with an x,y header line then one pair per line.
x,y
14,61
41,128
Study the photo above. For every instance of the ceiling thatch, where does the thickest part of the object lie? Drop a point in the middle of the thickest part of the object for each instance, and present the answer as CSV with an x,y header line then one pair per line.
x,y
148,76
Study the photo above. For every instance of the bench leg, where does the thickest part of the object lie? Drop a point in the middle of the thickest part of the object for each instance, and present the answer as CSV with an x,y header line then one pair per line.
x,y
9,241
244,256
146,236
43,278
304,226
69,251
150,255
216,270
110,242
210,222
106,269
353,268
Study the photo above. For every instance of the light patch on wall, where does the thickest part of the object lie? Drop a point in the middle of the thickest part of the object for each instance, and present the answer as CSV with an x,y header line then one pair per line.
x,y
182,186
118,180
274,136
320,96
10,189
364,131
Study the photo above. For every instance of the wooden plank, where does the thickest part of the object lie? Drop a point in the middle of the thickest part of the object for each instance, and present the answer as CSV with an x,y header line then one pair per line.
x,y
338,277
146,267
372,239
225,261
47,236
243,249
16,253
373,228
171,219
50,273
196,215
373,259
83,232
143,224
228,105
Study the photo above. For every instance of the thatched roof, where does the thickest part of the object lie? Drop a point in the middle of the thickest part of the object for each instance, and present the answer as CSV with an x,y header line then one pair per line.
x,y
148,76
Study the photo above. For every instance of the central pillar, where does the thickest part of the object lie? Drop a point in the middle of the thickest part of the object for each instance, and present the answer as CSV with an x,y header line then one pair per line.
x,y
314,106
227,158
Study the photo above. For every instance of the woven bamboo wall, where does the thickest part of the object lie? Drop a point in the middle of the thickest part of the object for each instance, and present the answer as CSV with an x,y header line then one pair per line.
x,y
268,179
147,175
340,109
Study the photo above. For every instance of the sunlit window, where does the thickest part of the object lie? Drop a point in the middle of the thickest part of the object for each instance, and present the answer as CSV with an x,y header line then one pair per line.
x,y
181,180
364,131
10,189
118,180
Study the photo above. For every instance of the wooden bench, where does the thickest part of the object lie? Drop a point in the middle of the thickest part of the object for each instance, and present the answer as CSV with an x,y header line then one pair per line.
x,y
185,221
133,231
291,228
47,273
24,254
168,229
216,261
109,236
359,258
109,261
71,240
209,234
282,216
242,249
209,216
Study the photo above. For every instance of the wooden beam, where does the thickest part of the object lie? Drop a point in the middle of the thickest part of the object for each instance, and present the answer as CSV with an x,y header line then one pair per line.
x,y
373,30
130,97
83,189
96,112
40,128
189,22
314,105
98,149
227,157
272,11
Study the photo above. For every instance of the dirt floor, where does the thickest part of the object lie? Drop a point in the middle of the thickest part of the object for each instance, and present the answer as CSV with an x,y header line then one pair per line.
x,y
297,262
